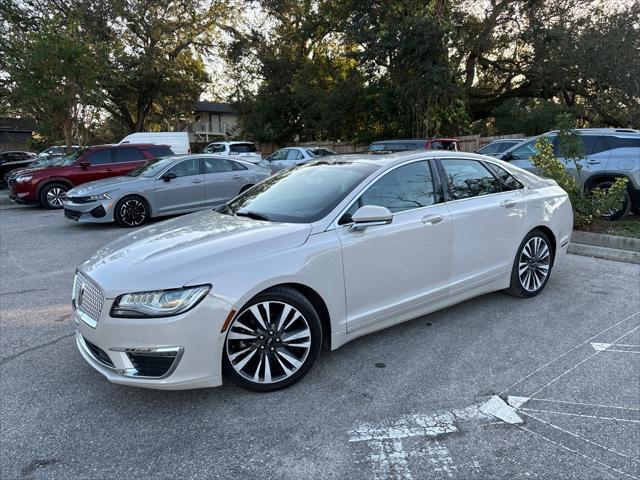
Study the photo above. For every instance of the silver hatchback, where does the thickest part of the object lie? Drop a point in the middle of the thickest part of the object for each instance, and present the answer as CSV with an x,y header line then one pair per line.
x,y
167,186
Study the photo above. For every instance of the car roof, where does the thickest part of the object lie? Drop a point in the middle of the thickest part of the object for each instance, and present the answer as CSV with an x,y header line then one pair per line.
x,y
504,140
414,140
399,157
233,142
602,131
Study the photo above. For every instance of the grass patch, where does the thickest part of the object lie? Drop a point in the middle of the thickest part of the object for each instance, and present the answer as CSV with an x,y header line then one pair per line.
x,y
627,227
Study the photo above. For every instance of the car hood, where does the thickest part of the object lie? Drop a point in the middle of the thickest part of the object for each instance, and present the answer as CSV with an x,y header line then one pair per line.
x,y
172,253
100,186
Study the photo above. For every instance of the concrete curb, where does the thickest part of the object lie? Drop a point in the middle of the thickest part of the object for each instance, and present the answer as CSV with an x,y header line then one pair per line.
x,y
609,247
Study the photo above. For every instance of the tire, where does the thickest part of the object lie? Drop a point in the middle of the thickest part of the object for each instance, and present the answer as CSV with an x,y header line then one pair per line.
x,y
626,203
254,353
533,260
51,195
131,211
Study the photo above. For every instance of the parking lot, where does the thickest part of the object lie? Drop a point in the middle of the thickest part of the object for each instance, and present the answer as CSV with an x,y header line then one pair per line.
x,y
496,387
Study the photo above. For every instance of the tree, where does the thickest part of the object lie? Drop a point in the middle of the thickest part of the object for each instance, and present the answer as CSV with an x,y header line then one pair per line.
x,y
50,76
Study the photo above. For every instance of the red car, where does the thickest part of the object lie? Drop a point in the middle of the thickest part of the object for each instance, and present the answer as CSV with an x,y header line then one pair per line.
x,y
48,186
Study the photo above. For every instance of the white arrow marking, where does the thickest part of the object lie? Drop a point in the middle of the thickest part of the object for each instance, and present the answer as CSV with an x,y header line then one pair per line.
x,y
497,407
517,402
600,346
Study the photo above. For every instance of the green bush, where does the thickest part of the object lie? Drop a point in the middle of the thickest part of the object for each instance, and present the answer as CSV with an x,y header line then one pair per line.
x,y
588,206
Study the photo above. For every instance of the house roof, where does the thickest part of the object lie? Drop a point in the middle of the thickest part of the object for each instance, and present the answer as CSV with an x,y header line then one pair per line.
x,y
212,107
17,124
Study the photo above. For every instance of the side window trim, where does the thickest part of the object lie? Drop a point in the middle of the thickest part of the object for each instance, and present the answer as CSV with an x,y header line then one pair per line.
x,y
502,182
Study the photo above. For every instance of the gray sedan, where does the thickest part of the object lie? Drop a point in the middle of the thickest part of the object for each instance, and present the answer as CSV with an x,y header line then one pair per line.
x,y
167,186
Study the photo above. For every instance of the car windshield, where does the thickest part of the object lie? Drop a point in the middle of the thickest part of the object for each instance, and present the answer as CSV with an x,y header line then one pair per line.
x,y
302,194
152,167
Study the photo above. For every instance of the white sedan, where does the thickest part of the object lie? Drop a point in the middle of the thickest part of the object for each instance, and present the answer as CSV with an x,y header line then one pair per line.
x,y
313,257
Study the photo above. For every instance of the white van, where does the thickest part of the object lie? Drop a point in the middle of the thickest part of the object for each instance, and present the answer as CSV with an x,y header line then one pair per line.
x,y
178,141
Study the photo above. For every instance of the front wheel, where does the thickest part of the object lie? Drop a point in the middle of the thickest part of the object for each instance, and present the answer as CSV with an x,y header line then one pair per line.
x,y
532,265
52,195
273,342
131,212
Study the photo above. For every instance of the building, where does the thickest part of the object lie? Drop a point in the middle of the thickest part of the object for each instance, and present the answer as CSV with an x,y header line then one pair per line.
x,y
211,121
15,133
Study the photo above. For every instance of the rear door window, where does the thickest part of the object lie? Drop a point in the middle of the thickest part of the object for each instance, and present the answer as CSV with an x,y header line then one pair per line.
x,y
469,178
123,155
507,179
217,165
623,142
243,148
158,152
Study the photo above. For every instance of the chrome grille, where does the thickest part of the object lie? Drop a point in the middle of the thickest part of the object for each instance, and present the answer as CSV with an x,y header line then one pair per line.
x,y
87,299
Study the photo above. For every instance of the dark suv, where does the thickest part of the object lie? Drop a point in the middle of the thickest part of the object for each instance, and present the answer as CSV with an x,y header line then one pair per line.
x,y
48,186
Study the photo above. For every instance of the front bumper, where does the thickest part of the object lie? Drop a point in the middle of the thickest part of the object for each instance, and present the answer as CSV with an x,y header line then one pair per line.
x,y
192,341
91,212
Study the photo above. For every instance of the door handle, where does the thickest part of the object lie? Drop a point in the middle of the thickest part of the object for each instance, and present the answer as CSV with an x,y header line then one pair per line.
x,y
593,162
237,176
508,203
432,219
197,181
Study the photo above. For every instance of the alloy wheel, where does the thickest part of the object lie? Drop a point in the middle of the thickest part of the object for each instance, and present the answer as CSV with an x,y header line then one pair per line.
x,y
55,196
133,212
268,342
534,263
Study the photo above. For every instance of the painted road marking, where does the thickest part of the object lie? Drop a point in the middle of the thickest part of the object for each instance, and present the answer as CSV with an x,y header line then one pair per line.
x,y
613,347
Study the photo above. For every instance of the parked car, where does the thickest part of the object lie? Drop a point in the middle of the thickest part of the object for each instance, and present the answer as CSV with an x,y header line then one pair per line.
x,y
610,153
287,157
168,186
48,186
177,141
497,147
320,254
58,151
246,151
37,164
387,146
12,160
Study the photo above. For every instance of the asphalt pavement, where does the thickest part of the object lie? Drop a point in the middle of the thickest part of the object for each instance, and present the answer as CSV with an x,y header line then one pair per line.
x,y
495,387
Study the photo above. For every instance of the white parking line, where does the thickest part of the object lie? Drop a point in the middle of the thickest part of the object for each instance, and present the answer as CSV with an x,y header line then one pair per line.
x,y
588,340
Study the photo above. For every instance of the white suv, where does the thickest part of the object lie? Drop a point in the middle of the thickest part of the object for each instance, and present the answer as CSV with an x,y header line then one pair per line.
x,y
242,150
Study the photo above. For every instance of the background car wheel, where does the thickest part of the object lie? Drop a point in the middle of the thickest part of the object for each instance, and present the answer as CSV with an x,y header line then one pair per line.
x,y
532,265
131,211
626,203
244,189
52,195
273,342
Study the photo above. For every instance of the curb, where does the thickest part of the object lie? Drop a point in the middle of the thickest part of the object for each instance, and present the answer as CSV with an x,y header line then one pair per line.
x,y
608,247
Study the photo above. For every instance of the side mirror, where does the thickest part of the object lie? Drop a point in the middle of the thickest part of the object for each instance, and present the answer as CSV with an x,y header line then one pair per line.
x,y
167,177
85,164
370,216
507,157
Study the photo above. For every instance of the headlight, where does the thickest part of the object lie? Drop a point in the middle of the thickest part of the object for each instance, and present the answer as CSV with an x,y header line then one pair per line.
x,y
93,198
160,303
23,178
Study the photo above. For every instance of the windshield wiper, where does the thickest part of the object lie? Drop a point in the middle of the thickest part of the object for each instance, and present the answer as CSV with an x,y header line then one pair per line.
x,y
254,215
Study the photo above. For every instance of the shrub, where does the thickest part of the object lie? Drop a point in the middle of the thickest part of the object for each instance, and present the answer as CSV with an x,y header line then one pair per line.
x,y
588,206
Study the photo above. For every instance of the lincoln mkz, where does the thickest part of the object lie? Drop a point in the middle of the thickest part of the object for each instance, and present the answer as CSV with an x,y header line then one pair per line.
x,y
311,258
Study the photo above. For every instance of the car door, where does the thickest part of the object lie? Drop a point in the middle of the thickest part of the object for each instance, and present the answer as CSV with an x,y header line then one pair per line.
x,y
223,179
126,159
185,192
402,265
101,165
488,220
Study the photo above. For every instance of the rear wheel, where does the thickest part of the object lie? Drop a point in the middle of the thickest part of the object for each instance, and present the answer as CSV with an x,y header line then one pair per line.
x,y
273,342
624,208
52,195
532,265
131,211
